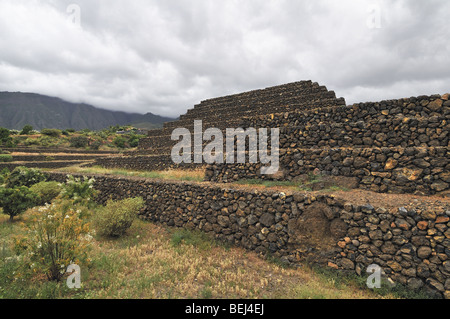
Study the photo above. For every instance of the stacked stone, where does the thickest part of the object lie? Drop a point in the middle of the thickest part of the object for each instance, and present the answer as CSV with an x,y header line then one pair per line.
x,y
411,244
227,112
385,124
390,146
51,158
222,113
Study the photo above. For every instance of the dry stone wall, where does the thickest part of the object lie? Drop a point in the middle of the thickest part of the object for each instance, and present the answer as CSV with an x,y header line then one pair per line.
x,y
422,121
143,163
395,170
411,244
390,146
227,112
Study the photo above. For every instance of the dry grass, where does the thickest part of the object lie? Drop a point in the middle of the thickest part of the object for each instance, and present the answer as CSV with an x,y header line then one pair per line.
x,y
158,263
176,175
197,174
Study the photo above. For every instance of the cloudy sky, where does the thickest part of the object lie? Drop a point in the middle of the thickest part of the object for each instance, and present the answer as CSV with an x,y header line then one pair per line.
x,y
166,56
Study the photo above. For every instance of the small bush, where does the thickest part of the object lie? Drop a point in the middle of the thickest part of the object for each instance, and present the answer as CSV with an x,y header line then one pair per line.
x,y
48,141
27,129
5,158
79,141
4,135
3,176
56,236
5,139
96,145
16,201
23,176
79,190
47,191
14,132
51,132
134,140
114,219
120,142
31,141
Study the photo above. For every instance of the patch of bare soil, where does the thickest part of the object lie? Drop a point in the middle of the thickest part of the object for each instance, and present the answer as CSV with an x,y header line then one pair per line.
x,y
62,153
362,197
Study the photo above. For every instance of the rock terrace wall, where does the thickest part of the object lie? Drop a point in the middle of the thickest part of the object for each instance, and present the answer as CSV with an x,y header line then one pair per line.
x,y
411,244
390,146
227,112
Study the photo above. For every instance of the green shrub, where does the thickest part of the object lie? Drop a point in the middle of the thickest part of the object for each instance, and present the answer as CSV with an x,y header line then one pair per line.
x,y
79,141
48,141
31,141
51,132
114,219
19,139
56,236
14,132
3,176
4,158
79,190
27,129
96,145
4,134
5,139
47,192
15,201
23,176
134,140
120,142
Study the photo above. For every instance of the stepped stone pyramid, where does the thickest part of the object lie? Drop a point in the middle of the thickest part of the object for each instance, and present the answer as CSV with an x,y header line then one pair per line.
x,y
154,152
228,112
396,146
399,146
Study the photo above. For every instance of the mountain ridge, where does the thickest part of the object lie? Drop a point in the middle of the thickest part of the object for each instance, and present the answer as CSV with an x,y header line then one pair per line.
x,y
18,109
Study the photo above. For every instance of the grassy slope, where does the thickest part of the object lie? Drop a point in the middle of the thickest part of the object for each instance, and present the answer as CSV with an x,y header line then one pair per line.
x,y
156,262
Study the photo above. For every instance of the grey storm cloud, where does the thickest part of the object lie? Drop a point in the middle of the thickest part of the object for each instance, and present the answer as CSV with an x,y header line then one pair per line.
x,y
166,56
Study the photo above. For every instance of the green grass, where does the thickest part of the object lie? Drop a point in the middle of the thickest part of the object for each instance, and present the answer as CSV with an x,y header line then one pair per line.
x,y
342,280
187,237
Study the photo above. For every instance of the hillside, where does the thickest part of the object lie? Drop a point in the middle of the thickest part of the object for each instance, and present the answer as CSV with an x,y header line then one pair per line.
x,y
40,111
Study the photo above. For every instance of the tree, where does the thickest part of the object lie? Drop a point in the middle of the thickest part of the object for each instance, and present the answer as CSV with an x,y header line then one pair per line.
x,y
26,130
5,138
24,176
79,141
4,134
15,201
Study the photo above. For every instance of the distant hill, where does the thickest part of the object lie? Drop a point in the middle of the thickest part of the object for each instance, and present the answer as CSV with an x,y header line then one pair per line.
x,y
40,111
